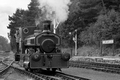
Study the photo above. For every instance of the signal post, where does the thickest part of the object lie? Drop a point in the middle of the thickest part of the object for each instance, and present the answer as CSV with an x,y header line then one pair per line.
x,y
75,40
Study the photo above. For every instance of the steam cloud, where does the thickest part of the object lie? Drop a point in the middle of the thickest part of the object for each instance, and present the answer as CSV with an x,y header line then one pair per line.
x,y
55,9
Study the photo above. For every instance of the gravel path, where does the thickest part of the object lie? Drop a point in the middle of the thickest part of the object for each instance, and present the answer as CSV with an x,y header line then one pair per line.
x,y
91,74
13,75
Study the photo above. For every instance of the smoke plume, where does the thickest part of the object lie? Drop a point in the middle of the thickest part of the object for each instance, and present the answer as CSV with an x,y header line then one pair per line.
x,y
55,9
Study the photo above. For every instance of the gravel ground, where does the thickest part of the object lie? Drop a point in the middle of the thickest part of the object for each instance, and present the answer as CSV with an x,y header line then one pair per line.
x,y
13,75
91,74
8,54
2,66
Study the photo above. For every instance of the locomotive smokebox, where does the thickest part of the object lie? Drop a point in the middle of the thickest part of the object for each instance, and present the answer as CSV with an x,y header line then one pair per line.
x,y
47,25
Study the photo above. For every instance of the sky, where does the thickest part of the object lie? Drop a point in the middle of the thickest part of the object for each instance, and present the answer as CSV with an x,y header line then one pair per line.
x,y
7,8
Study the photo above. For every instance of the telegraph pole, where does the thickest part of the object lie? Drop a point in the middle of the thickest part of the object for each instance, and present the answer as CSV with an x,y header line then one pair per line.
x,y
76,42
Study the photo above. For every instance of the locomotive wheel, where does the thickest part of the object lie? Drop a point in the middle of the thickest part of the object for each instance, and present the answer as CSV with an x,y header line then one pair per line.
x,y
54,69
26,69
48,69
31,70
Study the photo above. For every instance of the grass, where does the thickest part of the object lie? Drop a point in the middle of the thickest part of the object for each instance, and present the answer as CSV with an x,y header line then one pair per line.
x,y
92,51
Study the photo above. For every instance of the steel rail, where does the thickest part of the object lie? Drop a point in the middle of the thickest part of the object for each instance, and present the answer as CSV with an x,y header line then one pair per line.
x,y
98,67
69,77
38,75
48,77
6,68
19,70
57,76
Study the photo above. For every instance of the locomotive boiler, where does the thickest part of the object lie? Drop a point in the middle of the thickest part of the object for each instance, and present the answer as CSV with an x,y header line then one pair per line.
x,y
41,49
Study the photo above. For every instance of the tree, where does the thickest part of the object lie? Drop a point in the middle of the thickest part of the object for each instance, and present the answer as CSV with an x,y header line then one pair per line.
x,y
4,45
87,18
106,27
22,18
112,4
80,18
32,13
17,19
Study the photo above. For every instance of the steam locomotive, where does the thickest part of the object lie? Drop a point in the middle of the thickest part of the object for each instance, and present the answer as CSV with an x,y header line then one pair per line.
x,y
41,49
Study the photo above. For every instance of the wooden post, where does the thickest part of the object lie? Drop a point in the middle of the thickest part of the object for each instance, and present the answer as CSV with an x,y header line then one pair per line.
x,y
76,43
113,49
101,47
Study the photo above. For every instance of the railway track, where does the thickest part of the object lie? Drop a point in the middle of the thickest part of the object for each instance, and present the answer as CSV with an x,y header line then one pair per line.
x,y
60,76
51,76
69,77
48,77
9,64
4,67
97,66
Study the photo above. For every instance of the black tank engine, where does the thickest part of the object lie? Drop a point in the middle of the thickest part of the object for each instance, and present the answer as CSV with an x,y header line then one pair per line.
x,y
41,49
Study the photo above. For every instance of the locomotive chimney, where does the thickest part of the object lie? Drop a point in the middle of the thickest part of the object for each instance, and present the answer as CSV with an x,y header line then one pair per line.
x,y
46,25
